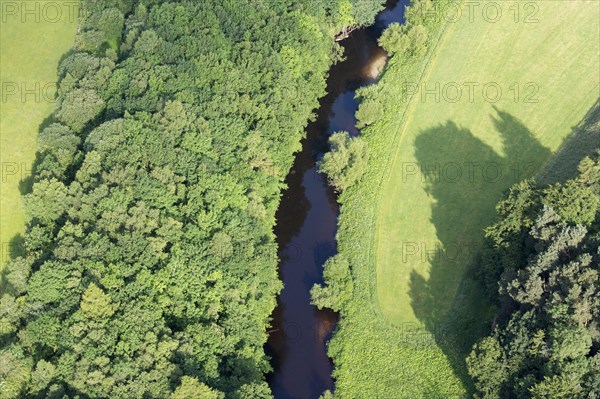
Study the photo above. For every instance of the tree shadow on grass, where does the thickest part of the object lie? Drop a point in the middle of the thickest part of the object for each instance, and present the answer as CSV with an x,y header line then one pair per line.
x,y
466,178
583,141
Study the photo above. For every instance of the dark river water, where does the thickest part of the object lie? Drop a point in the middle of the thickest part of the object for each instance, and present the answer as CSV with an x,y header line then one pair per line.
x,y
307,223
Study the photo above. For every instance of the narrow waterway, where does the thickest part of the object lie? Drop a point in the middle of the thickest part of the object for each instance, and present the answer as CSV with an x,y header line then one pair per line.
x,y
307,223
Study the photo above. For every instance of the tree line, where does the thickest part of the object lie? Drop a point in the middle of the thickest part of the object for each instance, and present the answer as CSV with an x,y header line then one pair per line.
x,y
541,263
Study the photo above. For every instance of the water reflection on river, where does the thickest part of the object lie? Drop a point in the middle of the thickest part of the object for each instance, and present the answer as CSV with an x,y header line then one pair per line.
x,y
307,223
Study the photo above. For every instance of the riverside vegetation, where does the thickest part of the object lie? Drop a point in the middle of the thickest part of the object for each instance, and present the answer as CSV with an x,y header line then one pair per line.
x,y
148,268
409,319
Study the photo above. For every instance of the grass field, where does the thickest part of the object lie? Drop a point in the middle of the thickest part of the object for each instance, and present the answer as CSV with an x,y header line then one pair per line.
x,y
30,51
455,159
450,162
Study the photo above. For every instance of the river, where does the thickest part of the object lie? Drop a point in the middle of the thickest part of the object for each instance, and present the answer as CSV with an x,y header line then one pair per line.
x,y
307,223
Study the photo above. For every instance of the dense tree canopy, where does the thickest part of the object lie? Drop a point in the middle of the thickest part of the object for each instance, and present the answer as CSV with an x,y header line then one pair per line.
x,y
545,252
149,262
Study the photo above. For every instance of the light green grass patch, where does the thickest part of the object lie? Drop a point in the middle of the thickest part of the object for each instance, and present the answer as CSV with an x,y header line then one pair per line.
x,y
31,45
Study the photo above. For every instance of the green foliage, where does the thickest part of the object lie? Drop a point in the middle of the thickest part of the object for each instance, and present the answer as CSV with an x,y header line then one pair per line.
x,y
15,373
343,14
574,202
557,387
96,304
58,147
346,162
79,107
60,141
110,21
48,201
253,390
191,388
365,11
549,318
9,314
150,267
338,288
411,39
371,110
16,273
327,395
41,376
488,368
515,213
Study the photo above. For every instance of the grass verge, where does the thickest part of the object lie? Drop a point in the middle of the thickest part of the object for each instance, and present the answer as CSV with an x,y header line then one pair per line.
x,y
34,36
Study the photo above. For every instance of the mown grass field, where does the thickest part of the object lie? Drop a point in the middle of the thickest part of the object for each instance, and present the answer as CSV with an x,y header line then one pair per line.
x,y
455,159
413,241
30,51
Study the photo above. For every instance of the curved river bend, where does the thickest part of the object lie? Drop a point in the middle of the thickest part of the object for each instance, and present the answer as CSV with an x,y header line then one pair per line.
x,y
307,223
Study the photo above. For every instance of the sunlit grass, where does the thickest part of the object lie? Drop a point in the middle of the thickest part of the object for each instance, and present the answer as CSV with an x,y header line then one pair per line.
x,y
30,51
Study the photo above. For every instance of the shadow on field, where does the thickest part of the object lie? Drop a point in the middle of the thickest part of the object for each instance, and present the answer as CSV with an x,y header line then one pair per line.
x,y
583,141
466,178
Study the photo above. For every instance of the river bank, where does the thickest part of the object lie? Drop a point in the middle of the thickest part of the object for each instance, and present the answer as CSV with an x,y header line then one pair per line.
x,y
307,222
